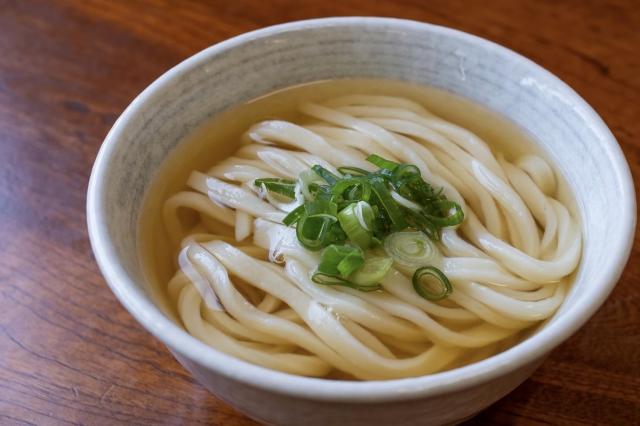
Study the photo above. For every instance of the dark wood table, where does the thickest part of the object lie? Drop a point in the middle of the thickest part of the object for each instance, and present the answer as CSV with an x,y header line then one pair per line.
x,y
69,353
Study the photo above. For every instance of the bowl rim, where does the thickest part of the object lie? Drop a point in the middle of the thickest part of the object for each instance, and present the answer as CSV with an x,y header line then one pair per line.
x,y
178,340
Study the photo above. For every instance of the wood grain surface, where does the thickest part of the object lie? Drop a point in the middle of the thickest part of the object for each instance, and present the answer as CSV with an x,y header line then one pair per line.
x,y
70,354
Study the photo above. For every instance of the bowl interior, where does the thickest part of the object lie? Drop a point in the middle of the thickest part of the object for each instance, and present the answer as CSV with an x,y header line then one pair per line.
x,y
245,67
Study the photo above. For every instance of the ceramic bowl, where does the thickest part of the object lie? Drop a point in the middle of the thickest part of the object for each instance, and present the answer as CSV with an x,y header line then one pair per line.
x,y
253,64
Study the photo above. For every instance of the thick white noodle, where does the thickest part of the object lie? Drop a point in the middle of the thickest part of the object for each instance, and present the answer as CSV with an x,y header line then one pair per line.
x,y
244,283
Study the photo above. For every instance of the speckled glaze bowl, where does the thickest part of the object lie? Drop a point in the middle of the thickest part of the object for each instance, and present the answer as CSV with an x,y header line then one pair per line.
x,y
259,62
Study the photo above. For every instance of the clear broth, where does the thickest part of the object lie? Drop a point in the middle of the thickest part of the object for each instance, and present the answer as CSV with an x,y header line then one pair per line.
x,y
220,137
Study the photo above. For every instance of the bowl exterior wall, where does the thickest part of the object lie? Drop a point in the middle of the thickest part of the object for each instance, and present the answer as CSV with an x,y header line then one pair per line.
x,y
277,409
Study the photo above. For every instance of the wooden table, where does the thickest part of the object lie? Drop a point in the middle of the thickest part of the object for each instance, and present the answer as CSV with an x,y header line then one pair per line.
x,y
69,353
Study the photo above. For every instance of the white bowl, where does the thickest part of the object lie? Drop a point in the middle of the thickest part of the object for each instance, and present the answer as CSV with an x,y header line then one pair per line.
x,y
259,62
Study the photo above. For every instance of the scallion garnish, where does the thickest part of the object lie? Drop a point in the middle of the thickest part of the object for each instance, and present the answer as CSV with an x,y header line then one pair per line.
x,y
350,214
382,162
444,213
426,278
372,271
353,171
325,174
284,187
352,189
345,265
294,215
387,204
312,230
340,260
357,222
412,249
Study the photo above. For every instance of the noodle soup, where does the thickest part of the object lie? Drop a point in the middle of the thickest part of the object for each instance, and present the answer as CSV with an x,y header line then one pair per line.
x,y
359,229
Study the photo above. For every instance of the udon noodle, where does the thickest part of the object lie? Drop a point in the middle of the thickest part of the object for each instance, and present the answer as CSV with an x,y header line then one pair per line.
x,y
243,283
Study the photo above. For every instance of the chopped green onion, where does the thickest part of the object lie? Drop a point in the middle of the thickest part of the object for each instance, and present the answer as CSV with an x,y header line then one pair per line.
x,y
357,220
321,206
349,264
404,171
284,187
335,235
434,278
345,265
357,210
311,230
294,215
419,221
323,192
412,250
408,182
356,188
325,174
448,213
353,171
340,260
387,205
308,186
338,264
404,202
372,271
381,162
324,279
329,279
